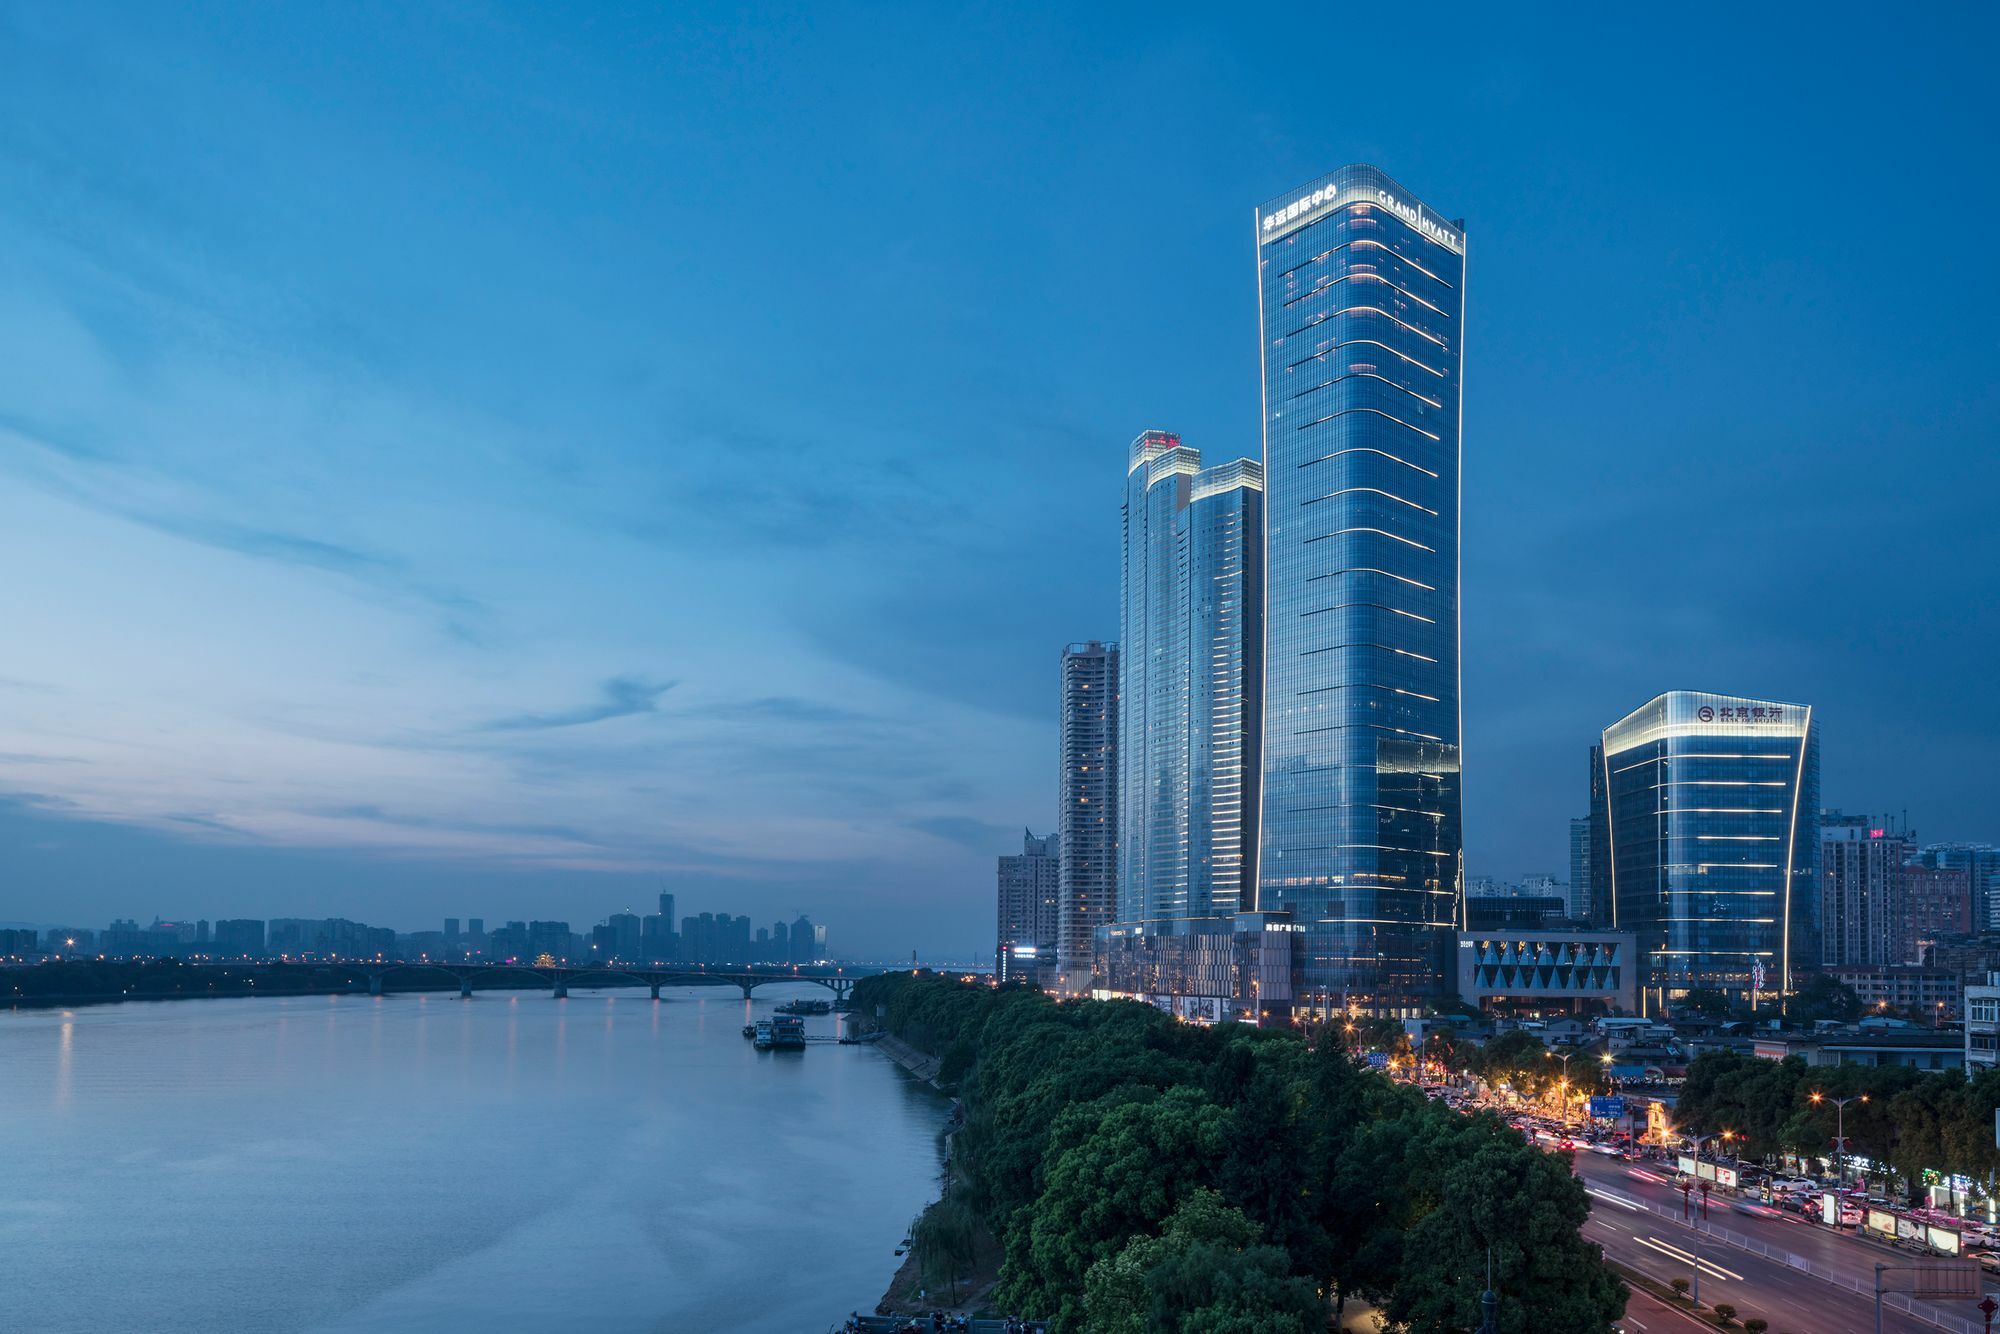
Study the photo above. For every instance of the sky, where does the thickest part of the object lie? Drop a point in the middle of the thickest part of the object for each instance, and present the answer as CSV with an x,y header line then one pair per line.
x,y
507,461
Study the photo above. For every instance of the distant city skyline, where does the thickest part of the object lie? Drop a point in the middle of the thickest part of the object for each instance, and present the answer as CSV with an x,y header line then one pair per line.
x,y
524,493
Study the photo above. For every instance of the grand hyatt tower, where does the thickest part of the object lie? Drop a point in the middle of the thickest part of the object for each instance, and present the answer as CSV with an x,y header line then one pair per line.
x,y
1361,305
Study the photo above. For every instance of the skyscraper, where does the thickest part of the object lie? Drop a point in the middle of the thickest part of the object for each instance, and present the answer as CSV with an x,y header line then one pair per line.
x,y
1190,665
1029,893
1361,307
1087,824
1714,846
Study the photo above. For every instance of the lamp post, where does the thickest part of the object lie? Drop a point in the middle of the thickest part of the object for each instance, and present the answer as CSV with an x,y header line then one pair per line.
x,y
1839,1134
1564,1056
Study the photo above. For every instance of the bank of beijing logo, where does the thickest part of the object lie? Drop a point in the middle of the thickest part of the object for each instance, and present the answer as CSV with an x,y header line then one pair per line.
x,y
1705,713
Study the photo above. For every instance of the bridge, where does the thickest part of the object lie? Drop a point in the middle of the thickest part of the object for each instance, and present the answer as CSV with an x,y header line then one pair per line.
x,y
559,977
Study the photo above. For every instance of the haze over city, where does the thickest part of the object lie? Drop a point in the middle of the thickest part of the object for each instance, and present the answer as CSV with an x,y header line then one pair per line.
x,y
449,466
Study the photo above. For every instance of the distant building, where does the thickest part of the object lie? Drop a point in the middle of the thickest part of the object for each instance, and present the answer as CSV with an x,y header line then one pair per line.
x,y
1981,863
16,943
1579,869
239,938
1509,912
1933,904
1028,895
1087,823
1714,852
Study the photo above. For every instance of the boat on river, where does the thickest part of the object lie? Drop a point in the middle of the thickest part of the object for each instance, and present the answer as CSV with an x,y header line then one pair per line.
x,y
806,1007
760,1033
788,1033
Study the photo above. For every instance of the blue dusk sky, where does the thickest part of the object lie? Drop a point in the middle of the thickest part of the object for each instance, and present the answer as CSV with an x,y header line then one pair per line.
x,y
500,460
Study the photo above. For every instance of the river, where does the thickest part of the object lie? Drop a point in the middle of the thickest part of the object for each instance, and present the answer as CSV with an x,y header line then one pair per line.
x,y
329,1165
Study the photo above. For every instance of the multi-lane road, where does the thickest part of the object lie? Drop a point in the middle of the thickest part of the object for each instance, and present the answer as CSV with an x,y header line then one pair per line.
x,y
1791,1299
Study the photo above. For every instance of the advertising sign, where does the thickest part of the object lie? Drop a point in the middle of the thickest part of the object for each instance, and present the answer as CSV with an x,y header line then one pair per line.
x,y
1881,1221
1607,1109
1944,1239
1909,1229
1829,1209
1686,1165
1726,1176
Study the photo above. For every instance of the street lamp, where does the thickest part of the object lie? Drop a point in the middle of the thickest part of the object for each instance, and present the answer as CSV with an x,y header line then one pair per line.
x,y
1564,1056
1839,1133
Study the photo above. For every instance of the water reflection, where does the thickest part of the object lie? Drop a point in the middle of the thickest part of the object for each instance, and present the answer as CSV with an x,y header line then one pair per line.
x,y
405,1164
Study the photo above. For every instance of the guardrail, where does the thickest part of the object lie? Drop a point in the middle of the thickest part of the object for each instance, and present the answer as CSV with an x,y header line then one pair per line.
x,y
1864,1286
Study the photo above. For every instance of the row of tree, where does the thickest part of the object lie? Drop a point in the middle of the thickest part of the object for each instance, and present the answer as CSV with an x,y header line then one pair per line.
x,y
1144,1174
1912,1121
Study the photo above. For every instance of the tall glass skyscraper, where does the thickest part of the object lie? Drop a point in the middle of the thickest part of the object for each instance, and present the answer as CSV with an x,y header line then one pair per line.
x,y
1714,841
1191,630
1361,305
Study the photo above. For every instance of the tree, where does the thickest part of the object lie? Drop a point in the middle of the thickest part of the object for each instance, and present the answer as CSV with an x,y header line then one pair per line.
x,y
1206,1273
1724,1312
943,1240
1119,1168
1509,1204
1680,1287
1823,997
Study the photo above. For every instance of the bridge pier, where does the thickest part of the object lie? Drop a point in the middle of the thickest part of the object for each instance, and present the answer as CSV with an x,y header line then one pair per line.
x,y
747,988
465,988
562,988
656,991
374,984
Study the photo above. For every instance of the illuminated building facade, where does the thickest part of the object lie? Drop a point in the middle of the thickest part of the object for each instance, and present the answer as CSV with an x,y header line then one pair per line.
x,y
1192,637
1711,816
1361,307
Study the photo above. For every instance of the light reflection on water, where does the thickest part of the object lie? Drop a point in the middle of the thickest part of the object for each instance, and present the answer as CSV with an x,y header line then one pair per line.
x,y
324,1165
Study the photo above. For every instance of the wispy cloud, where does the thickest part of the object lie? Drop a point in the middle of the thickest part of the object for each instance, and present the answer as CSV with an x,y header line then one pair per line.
x,y
619,697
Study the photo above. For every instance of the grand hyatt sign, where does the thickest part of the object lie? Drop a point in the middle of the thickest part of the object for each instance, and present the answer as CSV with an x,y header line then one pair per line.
x,y
1312,207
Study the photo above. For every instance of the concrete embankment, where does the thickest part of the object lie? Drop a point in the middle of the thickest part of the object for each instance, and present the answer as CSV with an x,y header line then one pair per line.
x,y
917,1063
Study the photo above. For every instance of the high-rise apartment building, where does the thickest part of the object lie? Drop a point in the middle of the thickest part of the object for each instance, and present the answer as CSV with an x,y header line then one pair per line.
x,y
1935,903
1191,640
1861,860
1087,823
1981,863
1714,853
1361,306
1580,902
1029,896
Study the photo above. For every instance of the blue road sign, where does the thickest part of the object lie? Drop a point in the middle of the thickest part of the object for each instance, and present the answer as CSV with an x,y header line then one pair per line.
x,y
1609,1109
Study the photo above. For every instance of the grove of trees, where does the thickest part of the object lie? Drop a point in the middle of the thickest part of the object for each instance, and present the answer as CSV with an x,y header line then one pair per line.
x,y
1143,1173
1913,1120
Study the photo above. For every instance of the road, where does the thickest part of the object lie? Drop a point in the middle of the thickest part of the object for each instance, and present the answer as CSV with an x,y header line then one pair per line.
x,y
1843,1251
1793,1302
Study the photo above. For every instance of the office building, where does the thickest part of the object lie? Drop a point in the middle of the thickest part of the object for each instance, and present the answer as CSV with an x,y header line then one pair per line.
x,y
1029,894
1714,853
1582,902
1191,640
1087,788
1361,306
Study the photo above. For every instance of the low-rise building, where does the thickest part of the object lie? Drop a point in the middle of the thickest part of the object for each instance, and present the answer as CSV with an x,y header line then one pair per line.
x,y
1982,1025
1904,987
1541,969
1867,1044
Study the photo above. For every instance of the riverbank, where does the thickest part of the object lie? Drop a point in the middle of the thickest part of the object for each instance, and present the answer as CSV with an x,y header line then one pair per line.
x,y
923,1066
907,1293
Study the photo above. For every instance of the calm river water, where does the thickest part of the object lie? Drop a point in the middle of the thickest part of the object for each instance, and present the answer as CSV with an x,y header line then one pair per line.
x,y
329,1165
